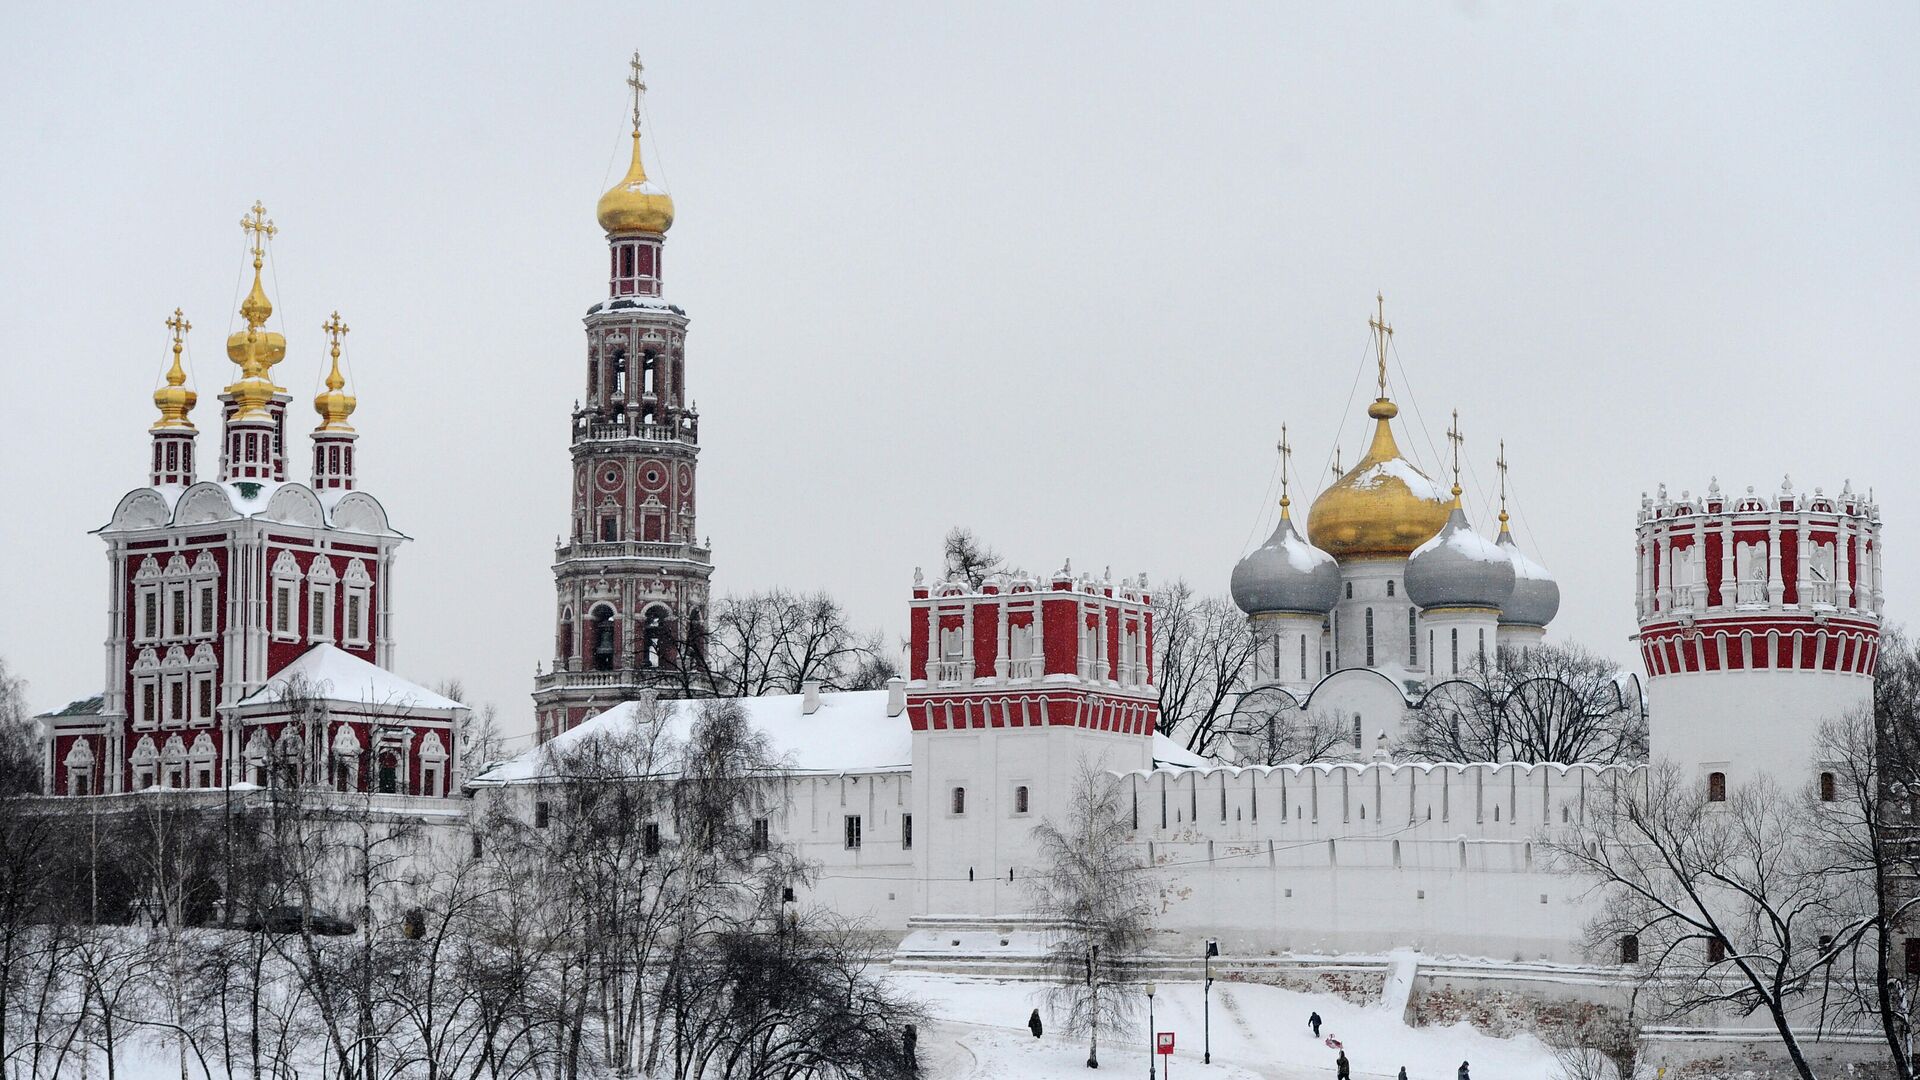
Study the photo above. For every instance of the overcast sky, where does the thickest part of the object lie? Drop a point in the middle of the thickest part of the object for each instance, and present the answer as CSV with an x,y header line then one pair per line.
x,y
1056,272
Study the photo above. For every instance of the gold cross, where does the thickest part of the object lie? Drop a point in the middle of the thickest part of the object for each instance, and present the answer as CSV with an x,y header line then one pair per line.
x,y
1286,455
1454,437
335,329
255,223
1500,463
639,88
1338,472
179,325
1383,331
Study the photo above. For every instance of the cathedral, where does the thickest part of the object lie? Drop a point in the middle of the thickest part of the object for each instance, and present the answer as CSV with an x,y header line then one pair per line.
x,y
249,644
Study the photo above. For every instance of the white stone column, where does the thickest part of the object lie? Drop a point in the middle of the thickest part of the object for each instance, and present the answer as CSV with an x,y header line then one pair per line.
x,y
966,642
1663,567
1803,580
1727,566
1697,565
1039,651
933,641
1776,588
1002,636
1842,566
1083,663
1104,670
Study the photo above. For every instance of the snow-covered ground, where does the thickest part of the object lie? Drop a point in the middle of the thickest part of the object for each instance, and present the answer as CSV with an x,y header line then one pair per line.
x,y
1258,1032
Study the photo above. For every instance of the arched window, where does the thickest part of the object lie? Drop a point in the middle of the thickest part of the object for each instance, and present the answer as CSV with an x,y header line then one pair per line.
x,y
566,639
1389,586
959,800
389,773
1828,787
1020,799
1629,948
1413,638
1357,734
1369,637
1349,590
603,643
1716,787
653,638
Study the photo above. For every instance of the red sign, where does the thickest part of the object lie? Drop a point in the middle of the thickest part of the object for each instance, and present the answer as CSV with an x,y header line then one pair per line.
x,y
1164,1043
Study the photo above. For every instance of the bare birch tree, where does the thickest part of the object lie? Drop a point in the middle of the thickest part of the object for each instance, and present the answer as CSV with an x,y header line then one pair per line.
x,y
1204,656
1094,892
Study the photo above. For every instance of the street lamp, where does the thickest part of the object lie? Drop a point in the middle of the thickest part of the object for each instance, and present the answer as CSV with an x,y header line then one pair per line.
x,y
1206,991
1151,1034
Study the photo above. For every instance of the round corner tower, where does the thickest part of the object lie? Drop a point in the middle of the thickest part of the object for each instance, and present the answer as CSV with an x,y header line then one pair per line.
x,y
1759,620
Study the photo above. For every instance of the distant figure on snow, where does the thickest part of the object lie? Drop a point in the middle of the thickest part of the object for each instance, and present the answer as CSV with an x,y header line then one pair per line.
x,y
1314,1023
1033,1025
1403,1073
1463,1075
912,1039
1341,1070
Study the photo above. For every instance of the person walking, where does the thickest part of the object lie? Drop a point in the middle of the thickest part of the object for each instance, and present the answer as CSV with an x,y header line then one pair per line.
x,y
1342,1070
1314,1023
911,1037
1463,1074
1403,1073
1033,1025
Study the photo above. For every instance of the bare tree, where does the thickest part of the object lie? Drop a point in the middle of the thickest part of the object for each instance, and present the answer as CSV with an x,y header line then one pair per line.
x,y
1205,655
1549,703
776,642
970,559
1267,727
1091,887
1720,902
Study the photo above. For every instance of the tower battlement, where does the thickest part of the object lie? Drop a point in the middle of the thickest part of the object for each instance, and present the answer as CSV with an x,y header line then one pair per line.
x,y
1751,582
1020,651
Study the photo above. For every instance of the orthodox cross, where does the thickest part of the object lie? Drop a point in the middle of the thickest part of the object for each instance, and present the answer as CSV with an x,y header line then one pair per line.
x,y
639,88
335,330
1286,455
259,228
1338,472
1500,463
1383,332
1454,437
179,325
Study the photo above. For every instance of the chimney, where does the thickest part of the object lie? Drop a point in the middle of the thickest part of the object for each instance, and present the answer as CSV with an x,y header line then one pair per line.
x,y
896,696
810,697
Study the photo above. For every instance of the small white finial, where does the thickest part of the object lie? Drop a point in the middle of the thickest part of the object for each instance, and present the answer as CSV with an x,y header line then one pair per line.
x,y
919,577
1713,485
1786,484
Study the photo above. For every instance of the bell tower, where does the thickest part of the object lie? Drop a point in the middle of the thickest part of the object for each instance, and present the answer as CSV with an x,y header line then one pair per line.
x,y
630,577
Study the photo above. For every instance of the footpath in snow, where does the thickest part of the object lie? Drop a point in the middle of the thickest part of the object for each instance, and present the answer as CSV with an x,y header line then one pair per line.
x,y
1258,1033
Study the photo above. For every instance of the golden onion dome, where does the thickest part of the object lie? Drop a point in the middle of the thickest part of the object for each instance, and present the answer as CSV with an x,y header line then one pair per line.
x,y
334,405
175,400
1384,507
636,204
256,349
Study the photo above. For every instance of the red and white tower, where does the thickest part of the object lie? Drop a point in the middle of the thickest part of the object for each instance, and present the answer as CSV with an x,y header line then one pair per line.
x,y
223,593
1013,688
631,578
1759,620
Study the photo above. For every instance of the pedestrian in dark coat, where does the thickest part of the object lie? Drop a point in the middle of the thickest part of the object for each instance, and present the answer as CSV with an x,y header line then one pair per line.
x,y
1463,1075
1314,1023
1403,1073
912,1039
1033,1025
1341,1068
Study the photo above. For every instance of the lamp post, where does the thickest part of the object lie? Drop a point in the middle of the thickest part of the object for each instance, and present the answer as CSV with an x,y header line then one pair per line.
x,y
1151,1047
1206,993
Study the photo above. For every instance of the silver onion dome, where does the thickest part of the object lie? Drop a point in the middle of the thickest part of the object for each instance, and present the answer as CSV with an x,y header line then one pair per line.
x,y
1536,596
1459,568
1286,575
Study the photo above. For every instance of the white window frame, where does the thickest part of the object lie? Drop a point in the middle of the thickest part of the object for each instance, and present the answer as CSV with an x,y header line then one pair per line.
x,y
206,609
354,609
199,680
319,612
177,611
284,621
853,832
147,629
169,683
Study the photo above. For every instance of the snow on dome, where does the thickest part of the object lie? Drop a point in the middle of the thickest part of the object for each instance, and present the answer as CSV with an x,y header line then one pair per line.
x,y
1459,568
1536,596
1286,574
337,675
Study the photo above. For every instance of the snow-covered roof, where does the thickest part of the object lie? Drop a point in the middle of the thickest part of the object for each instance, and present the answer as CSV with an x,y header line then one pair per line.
x,y
288,502
338,675
849,733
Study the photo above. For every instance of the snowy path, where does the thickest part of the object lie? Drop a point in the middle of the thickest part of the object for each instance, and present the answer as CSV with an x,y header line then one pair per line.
x,y
1258,1033
1393,999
